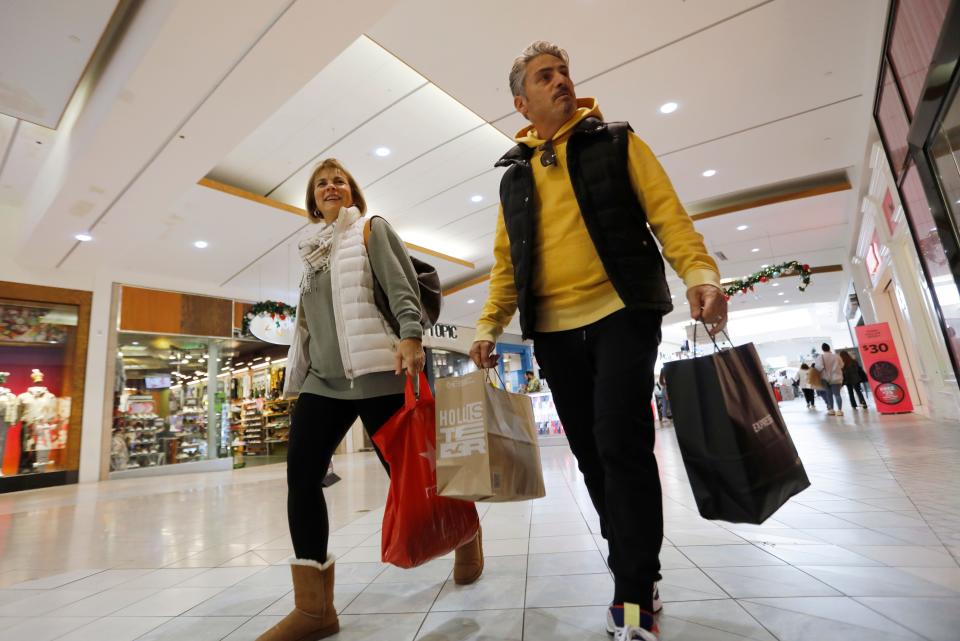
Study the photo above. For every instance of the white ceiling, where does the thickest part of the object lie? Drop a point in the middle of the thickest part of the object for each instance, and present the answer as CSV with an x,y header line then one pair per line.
x,y
769,92
44,49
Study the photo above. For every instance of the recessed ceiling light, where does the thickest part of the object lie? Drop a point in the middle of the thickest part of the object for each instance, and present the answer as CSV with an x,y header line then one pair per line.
x,y
755,250
84,238
136,343
779,293
476,199
775,285
471,301
743,227
708,173
785,302
383,152
668,107
201,244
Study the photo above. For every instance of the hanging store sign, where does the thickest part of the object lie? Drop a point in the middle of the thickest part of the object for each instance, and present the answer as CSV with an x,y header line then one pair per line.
x,y
272,322
880,360
443,331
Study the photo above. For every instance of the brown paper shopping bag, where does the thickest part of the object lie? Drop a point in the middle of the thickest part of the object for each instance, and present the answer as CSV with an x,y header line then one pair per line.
x,y
486,442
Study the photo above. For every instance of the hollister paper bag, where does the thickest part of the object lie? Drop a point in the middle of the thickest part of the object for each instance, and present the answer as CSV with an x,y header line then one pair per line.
x,y
486,442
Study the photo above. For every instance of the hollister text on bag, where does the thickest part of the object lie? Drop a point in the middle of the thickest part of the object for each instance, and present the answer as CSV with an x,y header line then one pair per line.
x,y
486,442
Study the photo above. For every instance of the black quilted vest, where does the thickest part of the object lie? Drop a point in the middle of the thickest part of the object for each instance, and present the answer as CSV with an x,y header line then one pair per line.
x,y
597,163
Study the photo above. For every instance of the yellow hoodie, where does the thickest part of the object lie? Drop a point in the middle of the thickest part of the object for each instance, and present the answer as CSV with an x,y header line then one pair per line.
x,y
570,284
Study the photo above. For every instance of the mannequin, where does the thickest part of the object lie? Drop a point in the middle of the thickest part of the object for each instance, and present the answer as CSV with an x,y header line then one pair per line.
x,y
9,406
38,409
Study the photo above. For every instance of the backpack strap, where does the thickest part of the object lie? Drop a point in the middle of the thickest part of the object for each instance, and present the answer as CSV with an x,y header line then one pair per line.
x,y
366,230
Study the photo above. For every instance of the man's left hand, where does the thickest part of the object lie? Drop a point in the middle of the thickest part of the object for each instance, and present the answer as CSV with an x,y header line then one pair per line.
x,y
708,304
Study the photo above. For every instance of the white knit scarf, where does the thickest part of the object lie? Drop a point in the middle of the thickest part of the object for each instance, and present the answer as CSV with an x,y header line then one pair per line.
x,y
315,250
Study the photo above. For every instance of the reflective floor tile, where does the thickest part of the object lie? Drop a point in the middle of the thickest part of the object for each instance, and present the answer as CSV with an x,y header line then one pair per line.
x,y
169,602
220,577
164,578
44,601
504,567
560,563
904,555
819,555
703,536
767,581
108,579
559,529
239,600
723,620
486,594
570,590
502,625
836,619
43,629
937,619
361,555
718,556
357,572
396,627
194,629
571,543
56,580
688,584
566,624
115,629
106,602
877,581
387,598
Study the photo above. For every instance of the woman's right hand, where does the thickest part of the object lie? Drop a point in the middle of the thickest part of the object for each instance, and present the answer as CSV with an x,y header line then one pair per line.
x,y
410,357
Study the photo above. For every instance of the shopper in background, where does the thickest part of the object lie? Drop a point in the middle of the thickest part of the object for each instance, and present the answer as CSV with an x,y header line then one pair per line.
x,y
662,382
805,385
852,380
831,369
533,383
573,252
344,363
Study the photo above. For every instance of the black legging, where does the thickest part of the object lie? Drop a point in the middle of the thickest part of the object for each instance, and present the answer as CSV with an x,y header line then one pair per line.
x,y
850,389
809,396
316,429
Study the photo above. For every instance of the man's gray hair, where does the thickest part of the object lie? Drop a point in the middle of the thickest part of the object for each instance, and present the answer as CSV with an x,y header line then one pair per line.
x,y
519,71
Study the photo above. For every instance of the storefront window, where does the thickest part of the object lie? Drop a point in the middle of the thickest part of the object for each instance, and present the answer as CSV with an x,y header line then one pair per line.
x,y
447,363
167,410
916,27
37,347
931,252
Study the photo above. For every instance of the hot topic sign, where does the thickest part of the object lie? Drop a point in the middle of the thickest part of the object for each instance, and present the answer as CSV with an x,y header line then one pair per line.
x,y
880,359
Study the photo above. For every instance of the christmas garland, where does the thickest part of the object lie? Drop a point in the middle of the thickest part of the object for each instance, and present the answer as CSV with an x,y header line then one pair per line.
x,y
276,310
790,268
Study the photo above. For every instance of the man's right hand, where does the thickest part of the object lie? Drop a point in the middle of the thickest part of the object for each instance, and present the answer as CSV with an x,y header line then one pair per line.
x,y
481,352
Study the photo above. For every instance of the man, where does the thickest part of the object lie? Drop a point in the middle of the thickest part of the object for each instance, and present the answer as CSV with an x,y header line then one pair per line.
x,y
831,370
533,383
574,254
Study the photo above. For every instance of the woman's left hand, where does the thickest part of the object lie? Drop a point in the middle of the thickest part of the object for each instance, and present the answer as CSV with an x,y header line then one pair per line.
x,y
410,357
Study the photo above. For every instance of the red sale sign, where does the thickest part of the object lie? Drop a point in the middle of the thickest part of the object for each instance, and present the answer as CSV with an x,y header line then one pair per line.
x,y
882,364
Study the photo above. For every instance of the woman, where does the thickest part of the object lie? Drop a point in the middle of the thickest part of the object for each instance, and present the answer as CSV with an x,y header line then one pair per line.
x,y
344,363
852,380
806,386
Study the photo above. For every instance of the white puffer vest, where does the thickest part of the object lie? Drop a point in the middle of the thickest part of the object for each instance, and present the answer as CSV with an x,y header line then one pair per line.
x,y
366,343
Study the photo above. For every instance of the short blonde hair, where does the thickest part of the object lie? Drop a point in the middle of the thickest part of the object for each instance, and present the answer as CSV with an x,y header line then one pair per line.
x,y
313,214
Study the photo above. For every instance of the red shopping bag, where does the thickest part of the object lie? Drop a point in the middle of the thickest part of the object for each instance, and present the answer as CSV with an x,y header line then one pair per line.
x,y
418,524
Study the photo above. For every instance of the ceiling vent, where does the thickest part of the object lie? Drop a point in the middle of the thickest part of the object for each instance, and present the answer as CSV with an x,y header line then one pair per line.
x,y
720,255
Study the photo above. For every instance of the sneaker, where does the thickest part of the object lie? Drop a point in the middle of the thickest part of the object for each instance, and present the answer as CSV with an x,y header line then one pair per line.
x,y
616,627
838,413
831,413
657,603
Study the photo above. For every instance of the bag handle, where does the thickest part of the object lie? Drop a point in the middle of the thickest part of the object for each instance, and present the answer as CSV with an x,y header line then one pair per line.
x,y
486,371
716,348
415,390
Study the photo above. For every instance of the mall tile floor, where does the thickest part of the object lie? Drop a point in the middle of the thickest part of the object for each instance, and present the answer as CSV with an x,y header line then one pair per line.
x,y
869,552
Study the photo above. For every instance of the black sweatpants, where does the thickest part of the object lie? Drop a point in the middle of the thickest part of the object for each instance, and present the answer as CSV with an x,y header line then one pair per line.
x,y
859,390
809,396
316,429
601,377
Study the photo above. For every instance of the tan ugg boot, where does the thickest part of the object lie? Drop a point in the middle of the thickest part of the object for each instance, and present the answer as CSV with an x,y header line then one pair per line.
x,y
468,563
313,616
